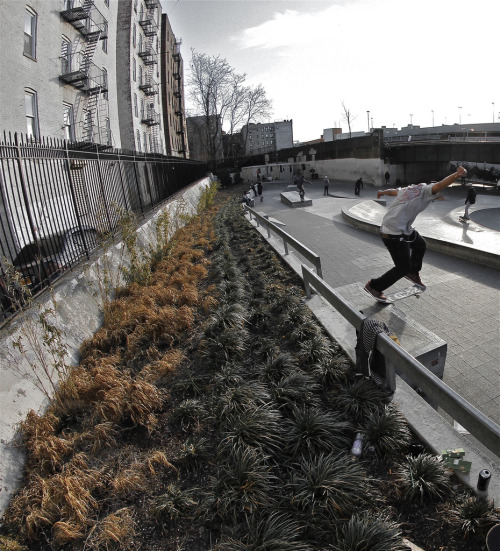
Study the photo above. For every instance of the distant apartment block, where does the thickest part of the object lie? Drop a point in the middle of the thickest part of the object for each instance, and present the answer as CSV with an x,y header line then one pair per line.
x,y
92,72
268,136
174,115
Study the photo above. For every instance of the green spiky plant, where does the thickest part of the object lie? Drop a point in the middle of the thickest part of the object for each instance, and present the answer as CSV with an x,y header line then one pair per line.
x,y
255,426
243,484
270,532
174,503
386,432
473,515
296,388
277,367
329,487
194,452
312,431
359,399
423,478
369,532
188,413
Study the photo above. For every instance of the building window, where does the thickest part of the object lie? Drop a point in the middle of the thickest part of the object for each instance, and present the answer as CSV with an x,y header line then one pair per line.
x,y
138,137
105,83
134,70
31,106
65,55
106,2
140,75
136,110
105,40
134,36
145,142
68,122
135,6
30,33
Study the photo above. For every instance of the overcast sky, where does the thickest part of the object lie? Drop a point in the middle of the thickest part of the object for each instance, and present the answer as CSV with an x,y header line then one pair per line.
x,y
401,60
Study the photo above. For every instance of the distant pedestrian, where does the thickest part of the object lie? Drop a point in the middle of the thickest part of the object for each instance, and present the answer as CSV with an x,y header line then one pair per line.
x,y
259,190
358,185
254,188
469,200
405,245
245,199
326,183
387,177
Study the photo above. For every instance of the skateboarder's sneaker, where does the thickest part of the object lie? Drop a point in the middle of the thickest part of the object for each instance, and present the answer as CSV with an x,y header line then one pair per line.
x,y
377,295
415,278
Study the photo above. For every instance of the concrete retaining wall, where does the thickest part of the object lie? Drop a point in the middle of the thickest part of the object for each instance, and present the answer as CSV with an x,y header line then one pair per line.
x,y
371,170
78,313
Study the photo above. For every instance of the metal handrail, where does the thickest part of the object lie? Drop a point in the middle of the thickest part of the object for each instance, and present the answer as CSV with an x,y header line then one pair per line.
x,y
478,424
311,256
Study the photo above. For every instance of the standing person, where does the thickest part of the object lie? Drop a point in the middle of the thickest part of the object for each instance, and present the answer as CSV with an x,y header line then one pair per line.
x,y
254,188
469,200
358,185
404,243
387,177
259,190
326,183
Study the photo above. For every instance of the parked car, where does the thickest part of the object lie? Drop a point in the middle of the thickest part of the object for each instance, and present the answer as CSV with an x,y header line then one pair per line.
x,y
42,261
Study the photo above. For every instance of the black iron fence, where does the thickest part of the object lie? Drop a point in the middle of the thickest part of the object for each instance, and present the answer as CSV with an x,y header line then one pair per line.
x,y
57,198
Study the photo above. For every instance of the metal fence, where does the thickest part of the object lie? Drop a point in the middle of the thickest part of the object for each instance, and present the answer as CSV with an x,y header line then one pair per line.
x,y
57,198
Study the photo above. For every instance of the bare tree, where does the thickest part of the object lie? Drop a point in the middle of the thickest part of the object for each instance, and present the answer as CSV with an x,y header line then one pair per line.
x,y
218,94
213,82
348,117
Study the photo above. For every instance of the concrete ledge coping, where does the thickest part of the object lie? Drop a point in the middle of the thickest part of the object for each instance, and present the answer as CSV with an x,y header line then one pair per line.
x,y
292,199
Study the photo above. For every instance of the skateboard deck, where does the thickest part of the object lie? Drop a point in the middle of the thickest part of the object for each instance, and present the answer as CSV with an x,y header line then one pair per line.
x,y
404,293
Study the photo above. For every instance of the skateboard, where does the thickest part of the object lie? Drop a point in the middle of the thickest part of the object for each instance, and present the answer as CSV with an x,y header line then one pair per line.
x,y
414,290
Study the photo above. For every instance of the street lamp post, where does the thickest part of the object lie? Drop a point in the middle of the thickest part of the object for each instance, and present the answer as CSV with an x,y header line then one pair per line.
x,y
411,119
493,103
368,118
460,115
432,111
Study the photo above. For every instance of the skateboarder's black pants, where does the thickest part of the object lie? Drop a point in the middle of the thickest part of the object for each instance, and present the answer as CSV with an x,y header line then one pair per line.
x,y
407,253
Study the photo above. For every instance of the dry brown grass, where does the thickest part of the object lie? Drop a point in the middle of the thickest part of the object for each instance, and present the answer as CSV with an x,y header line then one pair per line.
x,y
46,451
157,459
109,391
158,369
114,531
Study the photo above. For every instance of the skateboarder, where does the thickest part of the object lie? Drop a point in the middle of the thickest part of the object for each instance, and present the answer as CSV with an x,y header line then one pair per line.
x,y
326,184
405,245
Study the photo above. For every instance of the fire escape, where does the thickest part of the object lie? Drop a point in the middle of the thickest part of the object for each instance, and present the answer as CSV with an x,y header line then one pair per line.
x,y
149,86
79,71
178,96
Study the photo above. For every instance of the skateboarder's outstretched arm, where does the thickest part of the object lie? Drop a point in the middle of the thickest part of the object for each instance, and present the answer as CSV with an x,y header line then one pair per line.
x,y
391,192
439,186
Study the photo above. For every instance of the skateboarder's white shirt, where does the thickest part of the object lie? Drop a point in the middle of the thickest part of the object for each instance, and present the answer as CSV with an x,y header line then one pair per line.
x,y
409,202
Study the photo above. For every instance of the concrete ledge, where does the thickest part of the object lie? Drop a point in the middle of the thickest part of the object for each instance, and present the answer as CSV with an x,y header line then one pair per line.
x,y
422,344
292,199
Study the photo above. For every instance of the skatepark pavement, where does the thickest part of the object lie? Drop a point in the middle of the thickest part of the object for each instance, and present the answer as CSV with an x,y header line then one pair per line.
x,y
462,302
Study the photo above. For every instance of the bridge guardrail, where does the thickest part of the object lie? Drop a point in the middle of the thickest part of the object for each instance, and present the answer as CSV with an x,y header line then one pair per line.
x,y
478,424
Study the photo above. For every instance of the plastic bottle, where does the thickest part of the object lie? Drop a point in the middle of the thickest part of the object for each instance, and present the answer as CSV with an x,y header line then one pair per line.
x,y
357,447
